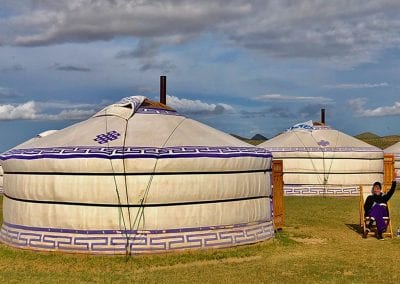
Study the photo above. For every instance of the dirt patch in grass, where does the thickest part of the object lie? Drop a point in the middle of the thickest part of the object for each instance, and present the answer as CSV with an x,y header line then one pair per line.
x,y
310,241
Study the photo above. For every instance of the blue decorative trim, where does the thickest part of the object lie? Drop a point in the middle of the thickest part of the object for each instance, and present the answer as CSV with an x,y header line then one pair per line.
x,y
148,241
134,152
323,149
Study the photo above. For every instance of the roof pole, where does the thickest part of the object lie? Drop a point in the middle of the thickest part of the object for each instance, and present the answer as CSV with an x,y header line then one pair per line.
x,y
163,90
322,115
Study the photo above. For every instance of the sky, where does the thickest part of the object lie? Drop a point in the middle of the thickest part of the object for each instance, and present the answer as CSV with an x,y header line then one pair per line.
x,y
243,67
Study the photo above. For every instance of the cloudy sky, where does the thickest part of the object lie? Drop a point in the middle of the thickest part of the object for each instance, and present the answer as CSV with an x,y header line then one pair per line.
x,y
244,67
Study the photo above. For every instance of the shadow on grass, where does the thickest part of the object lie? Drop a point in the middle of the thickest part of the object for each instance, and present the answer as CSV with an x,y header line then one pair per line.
x,y
356,228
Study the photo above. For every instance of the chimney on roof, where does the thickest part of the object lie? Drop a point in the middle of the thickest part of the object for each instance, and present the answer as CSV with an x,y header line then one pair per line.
x,y
163,90
322,115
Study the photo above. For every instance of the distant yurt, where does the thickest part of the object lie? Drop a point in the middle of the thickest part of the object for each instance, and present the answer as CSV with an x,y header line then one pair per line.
x,y
319,160
43,134
137,177
1,179
395,150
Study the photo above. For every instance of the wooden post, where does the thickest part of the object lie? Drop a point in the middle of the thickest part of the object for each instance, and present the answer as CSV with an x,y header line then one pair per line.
x,y
277,175
388,171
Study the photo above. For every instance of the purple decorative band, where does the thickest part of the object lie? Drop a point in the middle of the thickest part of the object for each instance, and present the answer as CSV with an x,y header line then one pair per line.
x,y
135,152
143,110
323,149
116,241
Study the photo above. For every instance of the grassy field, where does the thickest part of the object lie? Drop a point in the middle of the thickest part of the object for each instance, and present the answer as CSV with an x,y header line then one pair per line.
x,y
319,244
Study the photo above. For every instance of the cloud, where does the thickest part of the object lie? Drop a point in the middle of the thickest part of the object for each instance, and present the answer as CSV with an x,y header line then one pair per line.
x,y
146,54
358,106
84,21
357,86
279,97
276,111
144,49
23,111
351,32
35,111
13,68
8,93
165,66
198,107
70,68
310,111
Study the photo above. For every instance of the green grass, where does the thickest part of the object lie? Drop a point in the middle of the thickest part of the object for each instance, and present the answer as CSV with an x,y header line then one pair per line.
x,y
318,245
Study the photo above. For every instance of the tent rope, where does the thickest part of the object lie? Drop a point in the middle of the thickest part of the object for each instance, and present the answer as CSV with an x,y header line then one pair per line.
x,y
120,211
140,214
326,173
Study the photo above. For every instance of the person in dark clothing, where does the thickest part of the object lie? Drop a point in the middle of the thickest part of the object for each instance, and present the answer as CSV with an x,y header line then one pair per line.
x,y
375,207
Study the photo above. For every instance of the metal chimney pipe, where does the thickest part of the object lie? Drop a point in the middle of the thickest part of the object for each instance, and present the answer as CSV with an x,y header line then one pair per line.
x,y
322,115
163,90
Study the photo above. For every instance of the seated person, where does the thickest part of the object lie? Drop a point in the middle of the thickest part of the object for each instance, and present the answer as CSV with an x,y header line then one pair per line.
x,y
375,207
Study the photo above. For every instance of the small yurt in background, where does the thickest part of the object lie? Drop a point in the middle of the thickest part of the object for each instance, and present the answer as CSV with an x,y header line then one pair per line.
x,y
43,134
395,150
319,160
136,177
1,179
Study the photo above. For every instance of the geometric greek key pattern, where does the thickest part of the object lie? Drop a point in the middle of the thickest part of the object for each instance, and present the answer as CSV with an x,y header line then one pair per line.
x,y
115,242
134,152
324,149
310,190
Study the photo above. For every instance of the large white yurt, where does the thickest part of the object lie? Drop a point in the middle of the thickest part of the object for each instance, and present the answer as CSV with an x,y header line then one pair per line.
x,y
319,160
395,150
136,177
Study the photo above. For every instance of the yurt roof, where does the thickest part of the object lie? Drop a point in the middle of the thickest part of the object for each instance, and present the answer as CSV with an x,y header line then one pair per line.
x,y
309,136
138,123
394,149
38,136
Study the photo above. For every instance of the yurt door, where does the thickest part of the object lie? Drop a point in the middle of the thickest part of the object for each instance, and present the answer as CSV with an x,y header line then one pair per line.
x,y
388,171
277,175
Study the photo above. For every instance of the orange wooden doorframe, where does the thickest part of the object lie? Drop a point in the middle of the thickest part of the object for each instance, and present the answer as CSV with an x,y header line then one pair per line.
x,y
277,175
388,171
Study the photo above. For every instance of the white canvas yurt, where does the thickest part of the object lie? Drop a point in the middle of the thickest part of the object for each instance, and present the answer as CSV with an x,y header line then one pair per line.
x,y
136,177
395,150
319,160
1,179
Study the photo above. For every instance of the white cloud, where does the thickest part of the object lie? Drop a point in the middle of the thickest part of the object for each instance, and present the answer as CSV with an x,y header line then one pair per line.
x,y
279,97
332,30
63,110
197,106
357,86
34,111
26,110
358,106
